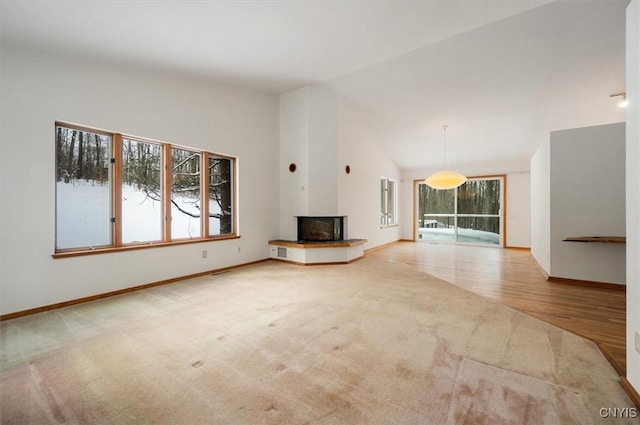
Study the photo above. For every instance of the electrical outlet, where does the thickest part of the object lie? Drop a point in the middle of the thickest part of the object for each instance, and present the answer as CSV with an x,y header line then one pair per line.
x,y
638,342
204,254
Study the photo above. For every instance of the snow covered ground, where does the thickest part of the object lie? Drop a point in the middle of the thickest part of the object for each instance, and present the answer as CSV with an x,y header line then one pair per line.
x,y
84,210
464,236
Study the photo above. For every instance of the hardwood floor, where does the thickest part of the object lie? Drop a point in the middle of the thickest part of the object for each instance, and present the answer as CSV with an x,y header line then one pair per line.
x,y
511,277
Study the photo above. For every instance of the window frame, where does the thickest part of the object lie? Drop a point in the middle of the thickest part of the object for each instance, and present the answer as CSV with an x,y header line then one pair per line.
x,y
110,182
385,212
116,182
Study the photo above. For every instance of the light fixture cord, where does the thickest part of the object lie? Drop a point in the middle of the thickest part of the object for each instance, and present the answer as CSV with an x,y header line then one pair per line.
x,y
445,145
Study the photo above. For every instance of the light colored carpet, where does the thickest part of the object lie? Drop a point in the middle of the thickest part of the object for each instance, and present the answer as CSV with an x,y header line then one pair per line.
x,y
366,343
513,399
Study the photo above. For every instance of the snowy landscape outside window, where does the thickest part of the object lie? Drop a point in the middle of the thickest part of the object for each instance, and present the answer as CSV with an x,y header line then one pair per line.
x,y
115,191
220,196
83,189
388,202
471,213
186,199
141,191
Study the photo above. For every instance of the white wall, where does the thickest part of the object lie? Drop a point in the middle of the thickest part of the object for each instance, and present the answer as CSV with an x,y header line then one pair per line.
x,y
39,88
633,190
517,198
359,191
321,134
588,199
323,151
294,149
541,206
407,213
308,138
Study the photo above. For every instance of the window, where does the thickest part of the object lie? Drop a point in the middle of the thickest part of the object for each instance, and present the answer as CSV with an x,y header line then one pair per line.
x,y
436,212
220,195
478,210
83,189
186,196
142,214
116,191
471,213
388,202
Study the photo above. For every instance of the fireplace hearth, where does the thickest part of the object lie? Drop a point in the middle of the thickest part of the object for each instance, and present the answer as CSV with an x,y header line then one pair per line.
x,y
321,240
321,229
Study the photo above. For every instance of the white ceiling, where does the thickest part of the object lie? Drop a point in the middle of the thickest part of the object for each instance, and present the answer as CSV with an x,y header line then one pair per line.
x,y
500,73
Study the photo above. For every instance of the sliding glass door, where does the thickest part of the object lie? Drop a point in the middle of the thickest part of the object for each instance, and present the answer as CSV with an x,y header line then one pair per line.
x,y
436,214
470,214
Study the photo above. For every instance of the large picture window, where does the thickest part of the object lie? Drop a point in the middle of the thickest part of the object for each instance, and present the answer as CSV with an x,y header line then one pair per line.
x,y
471,213
120,192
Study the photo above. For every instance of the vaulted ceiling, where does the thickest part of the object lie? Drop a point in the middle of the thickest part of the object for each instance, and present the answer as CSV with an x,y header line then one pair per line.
x,y
500,73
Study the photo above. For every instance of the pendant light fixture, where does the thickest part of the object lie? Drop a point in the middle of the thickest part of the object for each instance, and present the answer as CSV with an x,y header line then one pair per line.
x,y
443,180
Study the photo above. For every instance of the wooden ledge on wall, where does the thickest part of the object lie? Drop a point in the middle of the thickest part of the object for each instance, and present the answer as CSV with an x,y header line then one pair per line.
x,y
596,239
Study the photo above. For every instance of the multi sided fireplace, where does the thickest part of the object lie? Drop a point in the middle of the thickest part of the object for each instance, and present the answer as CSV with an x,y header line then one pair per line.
x,y
321,229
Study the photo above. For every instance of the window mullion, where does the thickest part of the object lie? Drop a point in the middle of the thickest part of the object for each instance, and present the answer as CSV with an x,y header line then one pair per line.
x,y
166,192
204,193
116,202
455,214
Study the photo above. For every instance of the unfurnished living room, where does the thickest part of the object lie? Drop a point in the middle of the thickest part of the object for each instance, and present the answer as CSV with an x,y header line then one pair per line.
x,y
320,212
